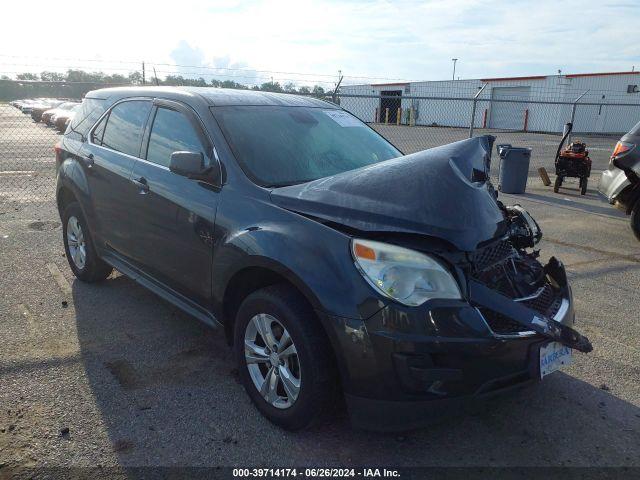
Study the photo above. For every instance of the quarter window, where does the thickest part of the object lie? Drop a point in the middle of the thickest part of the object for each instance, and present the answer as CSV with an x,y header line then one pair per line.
x,y
171,132
98,132
123,130
83,120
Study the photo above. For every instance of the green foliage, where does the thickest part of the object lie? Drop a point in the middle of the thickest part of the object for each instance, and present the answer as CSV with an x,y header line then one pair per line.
x,y
135,78
52,76
271,87
27,76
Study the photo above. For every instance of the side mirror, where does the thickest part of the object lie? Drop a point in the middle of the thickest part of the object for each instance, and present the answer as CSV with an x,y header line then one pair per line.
x,y
187,164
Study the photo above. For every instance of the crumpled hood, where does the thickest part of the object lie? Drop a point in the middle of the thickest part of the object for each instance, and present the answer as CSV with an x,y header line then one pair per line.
x,y
432,192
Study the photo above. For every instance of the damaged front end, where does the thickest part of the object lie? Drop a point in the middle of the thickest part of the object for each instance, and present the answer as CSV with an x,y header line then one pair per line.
x,y
444,195
515,294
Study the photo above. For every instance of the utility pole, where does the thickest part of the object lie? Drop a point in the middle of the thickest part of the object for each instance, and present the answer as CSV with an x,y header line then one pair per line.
x,y
143,76
454,60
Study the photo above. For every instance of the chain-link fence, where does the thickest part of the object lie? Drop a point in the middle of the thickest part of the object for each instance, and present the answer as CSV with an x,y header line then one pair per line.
x,y
411,122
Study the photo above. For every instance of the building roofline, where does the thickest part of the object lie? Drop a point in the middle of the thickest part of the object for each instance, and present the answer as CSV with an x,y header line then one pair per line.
x,y
397,84
574,75
507,79
501,79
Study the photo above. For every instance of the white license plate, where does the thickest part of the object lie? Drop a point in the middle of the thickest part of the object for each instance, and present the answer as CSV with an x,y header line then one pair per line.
x,y
553,356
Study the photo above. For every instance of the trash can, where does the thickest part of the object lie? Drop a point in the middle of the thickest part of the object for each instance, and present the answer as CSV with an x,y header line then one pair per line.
x,y
514,168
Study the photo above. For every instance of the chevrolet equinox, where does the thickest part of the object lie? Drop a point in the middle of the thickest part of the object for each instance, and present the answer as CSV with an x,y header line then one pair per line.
x,y
336,265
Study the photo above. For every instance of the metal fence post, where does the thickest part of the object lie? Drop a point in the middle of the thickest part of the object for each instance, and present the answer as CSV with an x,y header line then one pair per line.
x,y
473,110
573,112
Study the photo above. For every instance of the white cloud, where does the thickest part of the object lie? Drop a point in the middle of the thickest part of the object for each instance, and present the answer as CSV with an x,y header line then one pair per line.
x,y
406,39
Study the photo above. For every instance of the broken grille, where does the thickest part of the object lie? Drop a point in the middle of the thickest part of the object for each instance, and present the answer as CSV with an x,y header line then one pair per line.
x,y
491,255
546,301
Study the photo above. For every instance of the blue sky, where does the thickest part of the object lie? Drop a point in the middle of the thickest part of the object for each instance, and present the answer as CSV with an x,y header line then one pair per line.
x,y
379,39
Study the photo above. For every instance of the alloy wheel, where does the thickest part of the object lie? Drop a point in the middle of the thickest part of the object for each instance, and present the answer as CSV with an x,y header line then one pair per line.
x,y
272,360
76,243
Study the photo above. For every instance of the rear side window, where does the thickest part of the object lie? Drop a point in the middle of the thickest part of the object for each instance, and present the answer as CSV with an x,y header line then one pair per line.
x,y
90,111
123,129
171,132
98,132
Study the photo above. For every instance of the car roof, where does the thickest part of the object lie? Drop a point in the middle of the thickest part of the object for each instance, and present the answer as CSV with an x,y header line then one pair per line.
x,y
212,96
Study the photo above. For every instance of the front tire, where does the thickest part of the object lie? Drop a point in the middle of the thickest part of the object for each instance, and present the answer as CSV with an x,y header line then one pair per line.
x,y
557,184
284,358
635,220
80,251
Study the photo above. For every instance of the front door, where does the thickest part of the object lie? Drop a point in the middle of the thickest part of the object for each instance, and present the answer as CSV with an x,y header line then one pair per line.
x,y
174,215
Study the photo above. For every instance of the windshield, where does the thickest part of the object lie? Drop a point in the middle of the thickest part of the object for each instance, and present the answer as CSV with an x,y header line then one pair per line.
x,y
279,146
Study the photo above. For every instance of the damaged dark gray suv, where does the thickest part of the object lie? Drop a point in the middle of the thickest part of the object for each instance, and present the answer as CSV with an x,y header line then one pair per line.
x,y
335,265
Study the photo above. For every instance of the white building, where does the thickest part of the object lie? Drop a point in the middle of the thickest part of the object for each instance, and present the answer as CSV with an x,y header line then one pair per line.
x,y
538,103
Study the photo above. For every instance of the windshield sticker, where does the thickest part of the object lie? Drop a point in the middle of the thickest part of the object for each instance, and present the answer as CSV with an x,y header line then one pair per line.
x,y
343,118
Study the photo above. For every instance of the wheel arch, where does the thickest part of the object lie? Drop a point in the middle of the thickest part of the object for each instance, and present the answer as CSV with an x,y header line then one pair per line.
x,y
257,274
64,197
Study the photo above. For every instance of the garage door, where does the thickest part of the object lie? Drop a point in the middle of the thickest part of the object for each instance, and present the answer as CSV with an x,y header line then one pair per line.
x,y
508,115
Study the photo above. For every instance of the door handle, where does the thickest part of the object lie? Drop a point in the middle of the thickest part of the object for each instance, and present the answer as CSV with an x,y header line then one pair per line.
x,y
142,184
88,160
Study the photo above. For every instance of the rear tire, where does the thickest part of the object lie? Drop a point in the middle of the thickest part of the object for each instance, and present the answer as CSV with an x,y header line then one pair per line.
x,y
280,312
78,245
557,184
583,185
635,220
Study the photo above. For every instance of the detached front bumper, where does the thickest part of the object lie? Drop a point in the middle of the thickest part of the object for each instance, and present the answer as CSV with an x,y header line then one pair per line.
x,y
407,367
612,182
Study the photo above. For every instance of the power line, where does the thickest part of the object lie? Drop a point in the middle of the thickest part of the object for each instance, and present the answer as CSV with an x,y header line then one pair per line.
x,y
172,72
231,77
364,77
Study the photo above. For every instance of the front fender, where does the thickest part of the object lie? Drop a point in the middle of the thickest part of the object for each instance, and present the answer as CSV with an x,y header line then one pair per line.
x,y
312,256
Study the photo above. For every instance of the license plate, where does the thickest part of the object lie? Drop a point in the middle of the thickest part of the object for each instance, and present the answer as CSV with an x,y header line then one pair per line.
x,y
553,356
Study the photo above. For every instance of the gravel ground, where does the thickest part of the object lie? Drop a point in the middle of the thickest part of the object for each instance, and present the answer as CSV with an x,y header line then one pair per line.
x,y
110,375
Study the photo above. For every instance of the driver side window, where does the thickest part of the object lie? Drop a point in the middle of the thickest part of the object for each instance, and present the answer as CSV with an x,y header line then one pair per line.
x,y
171,132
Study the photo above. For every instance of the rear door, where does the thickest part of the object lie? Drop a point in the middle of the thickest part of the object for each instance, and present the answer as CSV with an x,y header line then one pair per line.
x,y
174,215
108,158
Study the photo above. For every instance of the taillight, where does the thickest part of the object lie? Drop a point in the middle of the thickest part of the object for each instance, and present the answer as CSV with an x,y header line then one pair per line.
x,y
621,148
58,149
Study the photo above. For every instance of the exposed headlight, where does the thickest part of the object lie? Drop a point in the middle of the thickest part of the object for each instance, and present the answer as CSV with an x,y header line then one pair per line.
x,y
404,275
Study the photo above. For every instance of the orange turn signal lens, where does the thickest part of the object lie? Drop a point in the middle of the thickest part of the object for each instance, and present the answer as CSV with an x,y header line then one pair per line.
x,y
364,252
621,147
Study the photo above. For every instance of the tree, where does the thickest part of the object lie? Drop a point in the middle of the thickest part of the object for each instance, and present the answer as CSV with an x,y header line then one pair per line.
x,y
135,78
27,76
4,77
52,76
173,80
304,90
82,76
318,91
116,78
233,84
290,87
271,87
